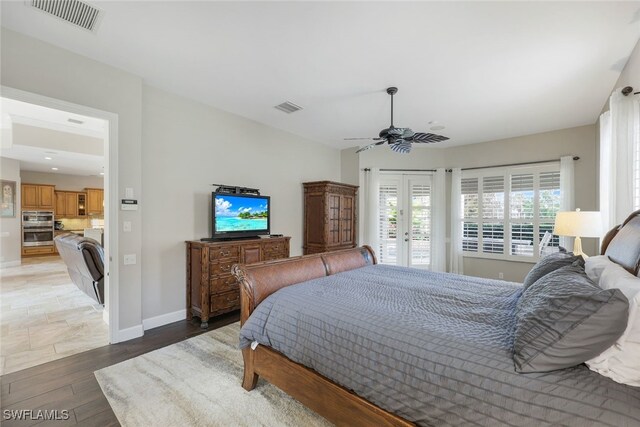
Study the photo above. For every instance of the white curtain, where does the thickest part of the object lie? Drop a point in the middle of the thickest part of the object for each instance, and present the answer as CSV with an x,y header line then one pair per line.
x,y
566,193
370,204
439,221
455,258
619,141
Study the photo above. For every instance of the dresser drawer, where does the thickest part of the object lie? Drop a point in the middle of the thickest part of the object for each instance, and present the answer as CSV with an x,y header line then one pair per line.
x,y
224,283
274,247
221,268
269,256
217,253
226,301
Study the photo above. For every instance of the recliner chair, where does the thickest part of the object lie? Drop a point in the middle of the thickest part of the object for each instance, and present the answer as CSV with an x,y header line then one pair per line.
x,y
84,258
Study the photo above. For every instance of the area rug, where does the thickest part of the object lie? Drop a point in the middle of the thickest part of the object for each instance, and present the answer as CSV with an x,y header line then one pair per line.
x,y
197,383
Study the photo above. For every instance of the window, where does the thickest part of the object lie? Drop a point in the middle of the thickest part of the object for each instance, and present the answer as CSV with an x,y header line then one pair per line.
x,y
507,211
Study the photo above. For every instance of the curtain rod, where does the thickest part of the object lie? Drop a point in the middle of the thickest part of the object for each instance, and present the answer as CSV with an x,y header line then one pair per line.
x,y
627,90
514,164
474,168
401,170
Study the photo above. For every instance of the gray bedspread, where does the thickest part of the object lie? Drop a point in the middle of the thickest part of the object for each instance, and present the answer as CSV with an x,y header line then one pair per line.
x,y
434,348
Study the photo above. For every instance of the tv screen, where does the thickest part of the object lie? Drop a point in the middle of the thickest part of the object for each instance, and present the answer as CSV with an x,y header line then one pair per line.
x,y
240,215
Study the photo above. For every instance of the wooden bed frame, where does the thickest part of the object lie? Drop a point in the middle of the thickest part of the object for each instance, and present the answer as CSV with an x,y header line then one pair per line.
x,y
332,401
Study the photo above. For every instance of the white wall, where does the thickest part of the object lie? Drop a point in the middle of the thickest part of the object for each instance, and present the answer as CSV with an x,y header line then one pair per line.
x,y
630,75
579,141
10,239
38,67
188,146
62,181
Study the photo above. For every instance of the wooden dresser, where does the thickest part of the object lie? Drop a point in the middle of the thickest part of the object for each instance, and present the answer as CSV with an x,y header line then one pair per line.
x,y
329,216
211,289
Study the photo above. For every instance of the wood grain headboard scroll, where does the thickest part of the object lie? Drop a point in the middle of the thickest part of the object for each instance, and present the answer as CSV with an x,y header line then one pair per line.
x,y
258,281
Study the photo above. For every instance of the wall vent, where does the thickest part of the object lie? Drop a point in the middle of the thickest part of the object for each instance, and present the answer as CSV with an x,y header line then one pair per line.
x,y
75,12
288,107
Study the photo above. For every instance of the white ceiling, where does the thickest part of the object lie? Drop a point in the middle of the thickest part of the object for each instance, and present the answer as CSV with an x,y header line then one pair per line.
x,y
484,70
42,139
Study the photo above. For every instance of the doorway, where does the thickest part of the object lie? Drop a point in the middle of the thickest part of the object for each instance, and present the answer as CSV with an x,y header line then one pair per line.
x,y
405,220
107,217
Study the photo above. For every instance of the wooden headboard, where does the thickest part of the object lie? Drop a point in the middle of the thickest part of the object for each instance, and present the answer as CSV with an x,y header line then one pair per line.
x,y
622,244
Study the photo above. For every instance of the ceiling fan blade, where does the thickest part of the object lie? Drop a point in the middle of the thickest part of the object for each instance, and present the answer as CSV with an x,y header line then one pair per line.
x,y
359,139
428,137
401,146
367,147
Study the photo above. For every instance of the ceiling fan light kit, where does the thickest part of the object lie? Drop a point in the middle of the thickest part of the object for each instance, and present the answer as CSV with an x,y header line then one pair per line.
x,y
400,140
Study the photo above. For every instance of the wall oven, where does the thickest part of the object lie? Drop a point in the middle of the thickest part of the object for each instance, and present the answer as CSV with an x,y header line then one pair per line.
x,y
37,228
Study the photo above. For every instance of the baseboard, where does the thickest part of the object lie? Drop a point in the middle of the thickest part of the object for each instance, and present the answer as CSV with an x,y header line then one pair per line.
x,y
129,333
164,319
6,264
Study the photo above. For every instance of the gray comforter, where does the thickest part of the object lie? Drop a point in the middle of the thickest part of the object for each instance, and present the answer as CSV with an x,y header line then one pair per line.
x,y
434,348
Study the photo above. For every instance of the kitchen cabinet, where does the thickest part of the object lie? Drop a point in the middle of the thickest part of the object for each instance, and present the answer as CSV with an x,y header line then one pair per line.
x,y
37,197
95,201
71,204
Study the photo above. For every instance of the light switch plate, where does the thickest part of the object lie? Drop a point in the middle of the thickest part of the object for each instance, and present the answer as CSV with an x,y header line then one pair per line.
x,y
128,193
130,259
126,226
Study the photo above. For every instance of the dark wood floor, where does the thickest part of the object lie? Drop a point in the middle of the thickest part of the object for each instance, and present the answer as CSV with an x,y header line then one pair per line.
x,y
69,383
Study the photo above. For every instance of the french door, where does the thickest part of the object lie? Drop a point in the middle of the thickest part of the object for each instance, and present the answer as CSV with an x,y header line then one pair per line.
x,y
404,217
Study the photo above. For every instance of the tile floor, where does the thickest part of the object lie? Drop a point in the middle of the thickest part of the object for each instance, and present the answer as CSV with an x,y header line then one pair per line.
x,y
44,316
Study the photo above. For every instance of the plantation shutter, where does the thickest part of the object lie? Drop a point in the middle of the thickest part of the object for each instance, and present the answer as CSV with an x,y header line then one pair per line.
x,y
493,214
549,204
420,251
388,223
470,214
521,213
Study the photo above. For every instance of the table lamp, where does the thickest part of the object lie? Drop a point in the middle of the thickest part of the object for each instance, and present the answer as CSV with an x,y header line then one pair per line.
x,y
578,224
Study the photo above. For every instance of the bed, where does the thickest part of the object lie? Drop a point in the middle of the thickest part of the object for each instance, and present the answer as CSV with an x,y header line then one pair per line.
x,y
366,344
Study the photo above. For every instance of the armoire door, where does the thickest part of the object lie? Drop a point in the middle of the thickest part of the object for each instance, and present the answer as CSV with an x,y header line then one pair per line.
x,y
334,206
347,220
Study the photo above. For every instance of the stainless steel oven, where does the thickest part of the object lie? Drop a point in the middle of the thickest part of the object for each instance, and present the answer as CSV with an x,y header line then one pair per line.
x,y
37,228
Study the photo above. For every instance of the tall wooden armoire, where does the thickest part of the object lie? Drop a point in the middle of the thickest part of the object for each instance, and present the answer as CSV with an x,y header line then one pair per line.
x,y
330,217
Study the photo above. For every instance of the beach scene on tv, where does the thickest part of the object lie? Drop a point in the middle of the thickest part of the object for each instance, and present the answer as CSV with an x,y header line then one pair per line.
x,y
241,213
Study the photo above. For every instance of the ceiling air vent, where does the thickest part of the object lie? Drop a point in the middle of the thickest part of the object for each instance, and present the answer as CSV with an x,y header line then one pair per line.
x,y
76,12
288,107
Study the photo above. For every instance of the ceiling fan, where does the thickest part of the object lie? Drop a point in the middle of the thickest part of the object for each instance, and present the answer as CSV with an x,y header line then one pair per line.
x,y
399,139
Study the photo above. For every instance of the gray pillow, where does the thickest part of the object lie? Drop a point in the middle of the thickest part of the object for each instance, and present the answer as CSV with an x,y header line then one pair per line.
x,y
550,263
565,319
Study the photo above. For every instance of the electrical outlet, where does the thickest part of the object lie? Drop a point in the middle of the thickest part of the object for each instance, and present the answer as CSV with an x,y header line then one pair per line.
x,y
130,259
501,275
126,226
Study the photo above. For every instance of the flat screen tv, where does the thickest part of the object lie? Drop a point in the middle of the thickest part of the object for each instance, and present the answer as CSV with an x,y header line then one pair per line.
x,y
240,215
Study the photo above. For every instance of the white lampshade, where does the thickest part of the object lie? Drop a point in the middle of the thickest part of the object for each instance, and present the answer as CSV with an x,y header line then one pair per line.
x,y
578,224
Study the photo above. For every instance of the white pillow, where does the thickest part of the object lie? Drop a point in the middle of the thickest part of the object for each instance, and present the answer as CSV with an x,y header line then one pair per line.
x,y
594,265
621,361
